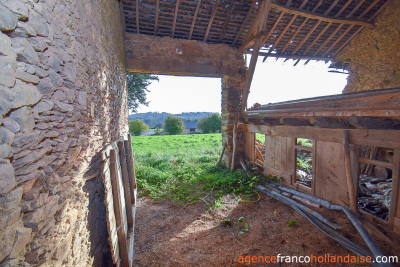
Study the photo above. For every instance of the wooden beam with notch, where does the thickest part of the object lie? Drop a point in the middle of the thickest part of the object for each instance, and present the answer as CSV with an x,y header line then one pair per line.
x,y
194,19
258,25
211,20
325,18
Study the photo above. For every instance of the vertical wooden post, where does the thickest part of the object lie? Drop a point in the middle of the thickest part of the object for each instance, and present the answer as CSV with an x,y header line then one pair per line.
x,y
131,159
349,176
131,170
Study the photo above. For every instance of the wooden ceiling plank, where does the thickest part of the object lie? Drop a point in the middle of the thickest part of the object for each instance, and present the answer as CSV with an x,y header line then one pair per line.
x,y
283,33
328,39
137,16
245,22
325,18
226,22
347,41
330,7
356,8
273,27
157,13
368,9
337,40
343,8
194,19
306,37
258,24
211,20
175,17
318,36
379,10
317,6
281,55
294,35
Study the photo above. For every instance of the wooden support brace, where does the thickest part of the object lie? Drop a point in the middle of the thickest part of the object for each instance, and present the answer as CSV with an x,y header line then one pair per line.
x,y
349,177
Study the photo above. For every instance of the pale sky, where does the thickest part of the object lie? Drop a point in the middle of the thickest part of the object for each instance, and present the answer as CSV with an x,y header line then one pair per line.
x,y
274,81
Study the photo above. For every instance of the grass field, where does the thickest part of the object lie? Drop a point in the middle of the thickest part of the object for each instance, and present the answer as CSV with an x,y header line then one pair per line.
x,y
183,168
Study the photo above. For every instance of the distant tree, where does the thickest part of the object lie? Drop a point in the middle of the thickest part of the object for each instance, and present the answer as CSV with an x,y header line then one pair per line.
x,y
137,127
137,89
174,125
210,124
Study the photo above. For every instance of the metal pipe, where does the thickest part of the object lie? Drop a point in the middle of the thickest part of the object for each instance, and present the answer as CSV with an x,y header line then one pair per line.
x,y
352,217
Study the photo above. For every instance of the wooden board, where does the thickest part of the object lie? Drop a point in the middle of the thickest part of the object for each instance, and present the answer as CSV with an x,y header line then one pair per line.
x,y
120,199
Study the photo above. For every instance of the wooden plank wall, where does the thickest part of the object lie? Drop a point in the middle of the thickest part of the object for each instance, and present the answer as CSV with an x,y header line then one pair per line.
x,y
120,199
329,180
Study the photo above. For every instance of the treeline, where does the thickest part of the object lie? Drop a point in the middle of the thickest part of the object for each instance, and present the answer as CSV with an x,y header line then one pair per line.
x,y
156,119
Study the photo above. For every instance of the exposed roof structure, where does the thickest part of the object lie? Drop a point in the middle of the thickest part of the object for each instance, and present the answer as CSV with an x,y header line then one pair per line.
x,y
310,29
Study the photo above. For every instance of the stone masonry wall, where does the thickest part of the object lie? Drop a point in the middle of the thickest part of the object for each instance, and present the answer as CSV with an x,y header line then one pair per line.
x,y
62,98
374,55
232,88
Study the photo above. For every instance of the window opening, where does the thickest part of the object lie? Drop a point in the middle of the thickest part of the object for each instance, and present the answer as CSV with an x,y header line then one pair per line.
x,y
375,181
304,162
259,148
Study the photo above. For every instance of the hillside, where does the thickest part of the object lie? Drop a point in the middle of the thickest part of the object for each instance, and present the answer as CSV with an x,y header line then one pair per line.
x,y
156,119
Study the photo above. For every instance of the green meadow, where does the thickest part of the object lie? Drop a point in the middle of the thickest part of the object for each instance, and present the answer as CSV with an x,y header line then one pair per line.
x,y
183,169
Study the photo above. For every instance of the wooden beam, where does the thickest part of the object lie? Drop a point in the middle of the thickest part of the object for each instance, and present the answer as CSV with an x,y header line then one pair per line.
x,y
380,9
137,16
294,35
329,122
368,9
258,25
211,20
343,8
348,41
349,177
156,22
121,12
250,73
228,17
328,39
330,7
360,2
317,38
376,162
244,22
175,16
374,123
291,56
337,40
325,18
194,19
306,37
273,28
295,121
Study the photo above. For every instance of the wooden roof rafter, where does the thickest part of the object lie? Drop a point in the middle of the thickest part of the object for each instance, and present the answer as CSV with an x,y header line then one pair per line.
x,y
293,28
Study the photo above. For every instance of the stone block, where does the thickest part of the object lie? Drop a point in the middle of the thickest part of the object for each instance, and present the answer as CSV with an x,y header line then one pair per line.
x,y
26,77
7,177
25,52
38,23
5,106
55,79
24,117
8,20
6,136
54,62
5,46
6,234
33,193
44,105
11,125
25,94
5,152
19,8
82,98
20,262
62,107
11,200
31,158
22,237
69,72
9,217
6,93
38,43
22,139
23,30
8,66
45,161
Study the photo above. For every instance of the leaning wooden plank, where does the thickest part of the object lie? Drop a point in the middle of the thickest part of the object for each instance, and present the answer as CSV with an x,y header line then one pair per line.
x,y
125,182
349,175
110,213
131,158
131,171
118,209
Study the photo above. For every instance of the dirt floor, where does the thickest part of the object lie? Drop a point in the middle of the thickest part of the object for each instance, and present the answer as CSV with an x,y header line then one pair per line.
x,y
168,234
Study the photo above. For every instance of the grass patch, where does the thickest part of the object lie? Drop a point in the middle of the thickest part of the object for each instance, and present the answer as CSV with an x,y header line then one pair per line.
x,y
183,168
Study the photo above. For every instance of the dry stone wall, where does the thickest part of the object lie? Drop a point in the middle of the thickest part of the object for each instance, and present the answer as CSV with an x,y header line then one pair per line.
x,y
374,55
62,98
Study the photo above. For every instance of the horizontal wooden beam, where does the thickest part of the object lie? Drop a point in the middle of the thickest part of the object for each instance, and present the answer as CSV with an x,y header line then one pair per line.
x,y
381,138
307,14
290,56
376,162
